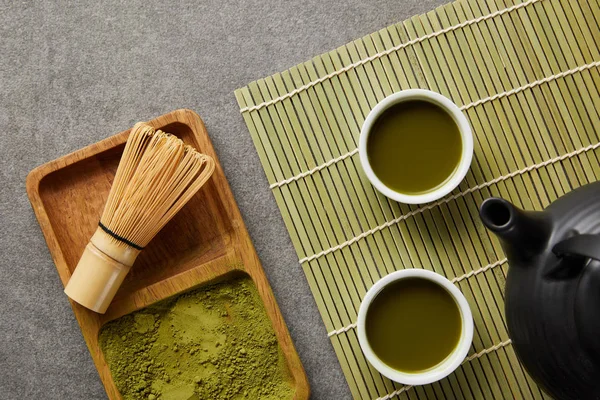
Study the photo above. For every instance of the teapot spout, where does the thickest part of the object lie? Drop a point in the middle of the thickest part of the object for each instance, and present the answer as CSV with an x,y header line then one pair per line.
x,y
522,234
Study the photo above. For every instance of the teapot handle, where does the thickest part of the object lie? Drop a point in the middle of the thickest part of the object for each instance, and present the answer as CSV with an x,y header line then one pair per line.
x,y
587,298
584,245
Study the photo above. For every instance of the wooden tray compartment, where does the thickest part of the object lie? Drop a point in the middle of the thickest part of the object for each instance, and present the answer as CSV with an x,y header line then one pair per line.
x,y
205,242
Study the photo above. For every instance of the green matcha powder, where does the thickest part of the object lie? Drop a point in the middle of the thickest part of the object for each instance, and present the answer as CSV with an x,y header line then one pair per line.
x,y
211,343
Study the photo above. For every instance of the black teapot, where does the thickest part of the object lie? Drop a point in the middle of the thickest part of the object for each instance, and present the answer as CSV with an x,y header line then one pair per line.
x,y
553,289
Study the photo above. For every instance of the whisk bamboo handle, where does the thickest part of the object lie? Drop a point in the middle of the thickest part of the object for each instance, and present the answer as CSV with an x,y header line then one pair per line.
x,y
100,272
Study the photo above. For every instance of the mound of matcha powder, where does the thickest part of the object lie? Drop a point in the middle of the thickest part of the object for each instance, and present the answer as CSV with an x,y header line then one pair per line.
x,y
211,343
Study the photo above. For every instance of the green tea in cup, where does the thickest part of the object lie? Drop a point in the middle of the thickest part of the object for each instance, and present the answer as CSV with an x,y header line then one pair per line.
x,y
416,146
414,326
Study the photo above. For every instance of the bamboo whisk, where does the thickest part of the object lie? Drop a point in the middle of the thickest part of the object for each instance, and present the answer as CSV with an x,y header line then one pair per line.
x,y
157,175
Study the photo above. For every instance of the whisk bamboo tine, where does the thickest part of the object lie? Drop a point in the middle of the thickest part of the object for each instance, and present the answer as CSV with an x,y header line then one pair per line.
x,y
131,155
157,175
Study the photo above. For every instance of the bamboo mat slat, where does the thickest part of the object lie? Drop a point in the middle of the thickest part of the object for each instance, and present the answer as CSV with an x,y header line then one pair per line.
x,y
526,76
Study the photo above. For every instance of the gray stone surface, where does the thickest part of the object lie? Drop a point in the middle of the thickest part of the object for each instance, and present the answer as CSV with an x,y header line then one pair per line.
x,y
72,73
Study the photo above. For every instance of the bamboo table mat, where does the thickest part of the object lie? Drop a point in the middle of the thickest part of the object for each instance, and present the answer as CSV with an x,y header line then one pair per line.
x,y
525,74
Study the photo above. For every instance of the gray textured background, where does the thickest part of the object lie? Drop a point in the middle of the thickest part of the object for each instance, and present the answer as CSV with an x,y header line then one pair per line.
x,y
72,73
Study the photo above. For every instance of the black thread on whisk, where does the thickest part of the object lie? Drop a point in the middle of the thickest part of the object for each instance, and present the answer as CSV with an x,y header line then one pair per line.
x,y
119,238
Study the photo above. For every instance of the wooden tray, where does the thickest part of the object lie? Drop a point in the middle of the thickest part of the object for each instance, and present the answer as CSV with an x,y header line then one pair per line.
x,y
207,240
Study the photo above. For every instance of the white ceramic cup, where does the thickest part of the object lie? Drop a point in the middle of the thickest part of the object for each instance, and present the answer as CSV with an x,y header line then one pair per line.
x,y
463,127
451,362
